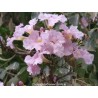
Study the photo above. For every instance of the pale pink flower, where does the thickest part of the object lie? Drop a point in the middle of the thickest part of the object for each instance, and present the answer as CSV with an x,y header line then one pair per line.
x,y
29,28
54,37
10,42
72,31
58,50
68,48
75,32
34,41
52,18
63,27
84,54
46,49
62,18
33,70
19,31
37,58
43,16
55,40
33,21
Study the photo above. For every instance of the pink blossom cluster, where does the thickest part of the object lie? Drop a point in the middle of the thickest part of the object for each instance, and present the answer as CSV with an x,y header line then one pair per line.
x,y
49,41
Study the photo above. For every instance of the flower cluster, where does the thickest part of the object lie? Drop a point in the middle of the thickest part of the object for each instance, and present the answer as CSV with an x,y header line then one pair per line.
x,y
48,40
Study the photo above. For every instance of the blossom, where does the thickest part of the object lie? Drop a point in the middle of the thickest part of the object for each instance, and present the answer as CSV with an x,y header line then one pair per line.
x,y
58,50
72,31
52,18
10,42
56,37
33,70
46,49
62,18
43,16
29,28
68,48
63,27
75,32
33,21
34,41
84,54
49,41
55,40
53,36
19,31
37,58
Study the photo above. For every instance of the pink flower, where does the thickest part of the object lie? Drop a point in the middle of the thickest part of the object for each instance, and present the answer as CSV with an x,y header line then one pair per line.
x,y
43,16
19,31
46,49
62,18
52,18
34,41
63,27
55,41
37,58
10,42
68,48
31,24
53,37
33,70
75,32
84,54
58,50
72,31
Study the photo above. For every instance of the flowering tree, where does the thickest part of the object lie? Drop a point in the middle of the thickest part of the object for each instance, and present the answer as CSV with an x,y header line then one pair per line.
x,y
52,49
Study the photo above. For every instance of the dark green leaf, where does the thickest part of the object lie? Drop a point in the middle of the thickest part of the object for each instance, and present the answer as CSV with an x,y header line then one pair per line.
x,y
13,66
2,73
13,80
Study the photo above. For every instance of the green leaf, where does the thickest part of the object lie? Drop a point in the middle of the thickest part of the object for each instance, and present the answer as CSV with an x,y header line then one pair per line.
x,y
23,74
2,73
13,80
93,78
81,72
92,43
3,59
35,80
34,14
61,62
0,51
13,66
74,20
21,71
